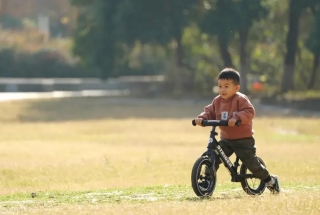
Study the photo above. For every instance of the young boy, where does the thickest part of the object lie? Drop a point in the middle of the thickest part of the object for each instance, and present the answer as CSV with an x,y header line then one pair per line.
x,y
232,106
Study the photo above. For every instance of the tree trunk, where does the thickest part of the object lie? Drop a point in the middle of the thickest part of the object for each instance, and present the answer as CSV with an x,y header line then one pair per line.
x,y
179,70
107,52
179,51
186,73
243,36
316,62
225,55
291,43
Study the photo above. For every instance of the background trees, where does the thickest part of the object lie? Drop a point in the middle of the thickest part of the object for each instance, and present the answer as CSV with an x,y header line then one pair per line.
x,y
188,41
251,35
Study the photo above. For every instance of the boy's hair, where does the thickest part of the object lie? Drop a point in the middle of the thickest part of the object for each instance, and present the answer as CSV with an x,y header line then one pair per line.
x,y
230,73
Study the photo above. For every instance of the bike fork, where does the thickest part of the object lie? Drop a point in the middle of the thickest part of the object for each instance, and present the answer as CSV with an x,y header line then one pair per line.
x,y
213,162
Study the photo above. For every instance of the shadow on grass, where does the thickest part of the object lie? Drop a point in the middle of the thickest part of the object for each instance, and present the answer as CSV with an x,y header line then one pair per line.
x,y
73,109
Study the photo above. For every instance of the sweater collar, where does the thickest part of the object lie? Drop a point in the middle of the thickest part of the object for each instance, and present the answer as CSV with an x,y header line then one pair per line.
x,y
229,99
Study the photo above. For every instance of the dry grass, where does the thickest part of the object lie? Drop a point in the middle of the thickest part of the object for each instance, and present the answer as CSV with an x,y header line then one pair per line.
x,y
287,204
97,143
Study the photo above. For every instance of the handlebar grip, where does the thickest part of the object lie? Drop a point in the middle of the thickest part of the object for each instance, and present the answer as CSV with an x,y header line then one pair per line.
x,y
194,122
238,122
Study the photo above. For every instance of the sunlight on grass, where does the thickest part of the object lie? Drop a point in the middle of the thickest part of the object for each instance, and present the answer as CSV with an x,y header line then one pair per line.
x,y
76,145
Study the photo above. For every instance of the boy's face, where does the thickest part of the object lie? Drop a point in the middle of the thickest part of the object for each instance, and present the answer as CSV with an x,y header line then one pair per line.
x,y
227,88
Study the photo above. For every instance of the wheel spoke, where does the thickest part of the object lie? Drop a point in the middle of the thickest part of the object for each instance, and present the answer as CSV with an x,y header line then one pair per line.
x,y
202,177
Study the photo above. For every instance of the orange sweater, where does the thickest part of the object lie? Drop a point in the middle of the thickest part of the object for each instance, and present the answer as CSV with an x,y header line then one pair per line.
x,y
238,107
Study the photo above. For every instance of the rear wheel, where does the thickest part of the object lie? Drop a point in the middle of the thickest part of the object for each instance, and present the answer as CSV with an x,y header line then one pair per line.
x,y
203,177
252,186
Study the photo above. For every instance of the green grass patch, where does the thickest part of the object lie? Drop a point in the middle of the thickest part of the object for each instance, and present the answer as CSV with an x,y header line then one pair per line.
x,y
167,193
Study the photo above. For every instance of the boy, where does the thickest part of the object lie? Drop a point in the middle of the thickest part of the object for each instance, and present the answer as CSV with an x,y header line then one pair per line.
x,y
232,106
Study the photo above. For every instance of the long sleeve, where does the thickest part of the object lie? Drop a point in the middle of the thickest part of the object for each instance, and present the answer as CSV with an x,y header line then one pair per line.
x,y
246,110
209,112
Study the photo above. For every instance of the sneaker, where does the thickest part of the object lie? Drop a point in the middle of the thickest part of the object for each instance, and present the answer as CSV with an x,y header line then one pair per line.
x,y
274,185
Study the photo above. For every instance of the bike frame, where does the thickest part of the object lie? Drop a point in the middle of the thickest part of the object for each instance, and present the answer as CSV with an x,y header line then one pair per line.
x,y
214,149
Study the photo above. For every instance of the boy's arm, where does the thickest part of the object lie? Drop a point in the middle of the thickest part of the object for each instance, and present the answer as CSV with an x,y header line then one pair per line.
x,y
209,112
246,111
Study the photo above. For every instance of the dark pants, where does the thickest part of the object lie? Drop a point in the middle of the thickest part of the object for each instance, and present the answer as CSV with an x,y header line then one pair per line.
x,y
245,149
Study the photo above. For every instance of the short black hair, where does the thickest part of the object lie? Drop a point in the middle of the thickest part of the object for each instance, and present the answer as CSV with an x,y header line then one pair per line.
x,y
230,73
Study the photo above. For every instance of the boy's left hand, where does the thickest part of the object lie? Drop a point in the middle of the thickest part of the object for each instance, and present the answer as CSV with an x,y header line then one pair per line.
x,y
232,122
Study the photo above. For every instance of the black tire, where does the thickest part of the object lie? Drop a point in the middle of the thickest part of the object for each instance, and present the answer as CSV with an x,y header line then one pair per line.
x,y
203,177
248,187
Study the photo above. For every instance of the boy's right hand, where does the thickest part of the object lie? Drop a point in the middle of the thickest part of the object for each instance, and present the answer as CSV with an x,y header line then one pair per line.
x,y
199,121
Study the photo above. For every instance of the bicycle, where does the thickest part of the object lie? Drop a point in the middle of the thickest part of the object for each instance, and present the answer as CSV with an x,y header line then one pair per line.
x,y
203,180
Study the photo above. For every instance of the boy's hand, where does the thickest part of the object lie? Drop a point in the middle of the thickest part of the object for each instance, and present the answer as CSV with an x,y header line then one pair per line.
x,y
199,121
232,122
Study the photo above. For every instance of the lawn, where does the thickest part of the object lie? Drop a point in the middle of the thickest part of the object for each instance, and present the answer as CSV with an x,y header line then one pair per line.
x,y
134,156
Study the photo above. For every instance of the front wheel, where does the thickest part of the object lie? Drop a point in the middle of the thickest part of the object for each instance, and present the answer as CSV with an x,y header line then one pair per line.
x,y
203,177
252,186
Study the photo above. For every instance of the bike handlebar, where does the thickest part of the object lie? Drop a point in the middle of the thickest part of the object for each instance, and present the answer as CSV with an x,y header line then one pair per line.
x,y
215,122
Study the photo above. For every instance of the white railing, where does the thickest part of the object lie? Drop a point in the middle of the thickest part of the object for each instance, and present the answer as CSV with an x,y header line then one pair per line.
x,y
10,96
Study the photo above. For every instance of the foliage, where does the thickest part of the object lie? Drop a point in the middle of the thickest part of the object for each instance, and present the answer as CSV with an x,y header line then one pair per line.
x,y
193,39
224,18
105,27
313,42
156,21
44,63
95,39
25,53
8,21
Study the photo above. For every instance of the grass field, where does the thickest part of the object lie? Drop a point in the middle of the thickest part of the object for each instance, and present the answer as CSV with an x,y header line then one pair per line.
x,y
116,156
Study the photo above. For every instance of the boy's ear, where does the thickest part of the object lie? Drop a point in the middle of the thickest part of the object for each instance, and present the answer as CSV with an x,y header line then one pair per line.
x,y
238,87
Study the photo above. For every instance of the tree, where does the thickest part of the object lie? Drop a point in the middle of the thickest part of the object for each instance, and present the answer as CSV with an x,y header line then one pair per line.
x,y
105,25
157,21
313,44
224,18
218,21
295,9
95,38
248,11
